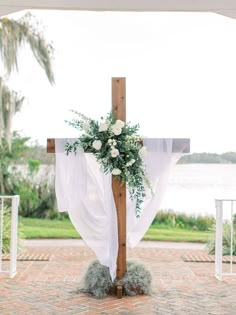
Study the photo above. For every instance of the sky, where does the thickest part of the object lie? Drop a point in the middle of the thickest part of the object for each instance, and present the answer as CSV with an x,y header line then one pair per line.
x,y
180,71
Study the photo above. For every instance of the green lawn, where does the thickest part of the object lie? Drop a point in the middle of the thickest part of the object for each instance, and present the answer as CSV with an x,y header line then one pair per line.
x,y
44,228
176,235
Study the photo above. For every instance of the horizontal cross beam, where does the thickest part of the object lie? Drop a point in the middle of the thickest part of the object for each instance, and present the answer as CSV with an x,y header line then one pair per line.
x,y
181,145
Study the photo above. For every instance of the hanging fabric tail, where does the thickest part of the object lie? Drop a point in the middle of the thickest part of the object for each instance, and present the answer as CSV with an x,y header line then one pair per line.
x,y
159,162
85,192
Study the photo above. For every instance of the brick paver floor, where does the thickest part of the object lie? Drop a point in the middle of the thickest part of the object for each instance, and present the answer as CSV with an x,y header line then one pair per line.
x,y
179,288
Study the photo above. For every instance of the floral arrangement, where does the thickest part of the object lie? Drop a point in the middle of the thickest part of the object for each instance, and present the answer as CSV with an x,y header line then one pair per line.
x,y
117,148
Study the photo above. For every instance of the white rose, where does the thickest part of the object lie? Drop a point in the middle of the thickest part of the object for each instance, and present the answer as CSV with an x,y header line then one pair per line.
x,y
109,141
116,171
116,130
103,127
143,152
119,123
114,152
97,144
86,126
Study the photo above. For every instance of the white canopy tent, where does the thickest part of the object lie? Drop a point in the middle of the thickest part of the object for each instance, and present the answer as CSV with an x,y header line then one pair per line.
x,y
223,7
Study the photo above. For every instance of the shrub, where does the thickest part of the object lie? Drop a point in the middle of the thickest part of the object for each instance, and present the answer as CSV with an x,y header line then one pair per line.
x,y
97,280
182,220
226,240
6,230
6,240
137,279
37,196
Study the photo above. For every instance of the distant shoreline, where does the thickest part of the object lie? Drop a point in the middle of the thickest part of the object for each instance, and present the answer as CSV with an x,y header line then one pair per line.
x,y
209,158
38,152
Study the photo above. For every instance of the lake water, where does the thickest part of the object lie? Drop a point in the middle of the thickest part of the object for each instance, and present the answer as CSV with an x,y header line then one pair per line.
x,y
193,188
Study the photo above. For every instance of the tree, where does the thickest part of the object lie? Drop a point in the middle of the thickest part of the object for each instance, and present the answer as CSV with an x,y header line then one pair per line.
x,y
11,104
13,36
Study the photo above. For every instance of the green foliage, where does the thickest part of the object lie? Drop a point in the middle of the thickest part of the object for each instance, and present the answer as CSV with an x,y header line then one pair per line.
x,y
19,148
10,104
7,231
97,280
226,239
33,166
40,153
117,148
15,35
37,195
182,220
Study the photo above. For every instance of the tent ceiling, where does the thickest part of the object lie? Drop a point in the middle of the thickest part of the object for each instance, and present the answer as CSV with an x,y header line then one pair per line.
x,y
224,7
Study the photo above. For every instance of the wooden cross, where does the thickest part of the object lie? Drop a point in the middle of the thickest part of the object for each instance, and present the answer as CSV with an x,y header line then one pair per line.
x,y
119,192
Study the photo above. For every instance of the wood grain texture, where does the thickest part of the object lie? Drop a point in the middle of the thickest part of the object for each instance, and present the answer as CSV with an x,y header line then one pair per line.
x,y
50,145
119,291
119,192
119,98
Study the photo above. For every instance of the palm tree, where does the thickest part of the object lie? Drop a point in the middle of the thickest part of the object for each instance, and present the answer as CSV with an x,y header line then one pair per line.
x,y
11,104
13,36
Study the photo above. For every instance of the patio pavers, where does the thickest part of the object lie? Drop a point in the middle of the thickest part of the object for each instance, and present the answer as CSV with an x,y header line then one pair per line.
x,y
179,288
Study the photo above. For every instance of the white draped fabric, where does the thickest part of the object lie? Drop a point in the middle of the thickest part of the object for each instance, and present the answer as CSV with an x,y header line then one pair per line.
x,y
85,192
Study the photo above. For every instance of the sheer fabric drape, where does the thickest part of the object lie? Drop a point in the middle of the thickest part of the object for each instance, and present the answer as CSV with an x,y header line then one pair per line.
x,y
86,194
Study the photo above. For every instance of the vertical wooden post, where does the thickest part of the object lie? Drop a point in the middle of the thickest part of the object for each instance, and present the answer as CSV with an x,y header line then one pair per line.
x,y
119,192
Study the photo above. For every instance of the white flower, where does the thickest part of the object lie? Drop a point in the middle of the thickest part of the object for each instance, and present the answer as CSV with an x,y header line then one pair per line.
x,y
114,152
116,130
112,143
131,162
116,171
103,127
97,144
86,126
119,123
143,152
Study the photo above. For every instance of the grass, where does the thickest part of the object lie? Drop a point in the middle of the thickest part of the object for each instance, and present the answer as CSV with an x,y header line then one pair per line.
x,y
176,235
45,228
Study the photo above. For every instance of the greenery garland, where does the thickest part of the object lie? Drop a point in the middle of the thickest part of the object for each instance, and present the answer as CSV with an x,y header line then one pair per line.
x,y
117,148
